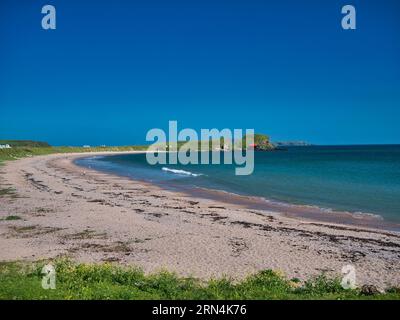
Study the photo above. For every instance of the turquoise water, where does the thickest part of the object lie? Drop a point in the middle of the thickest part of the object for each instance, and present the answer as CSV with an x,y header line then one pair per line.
x,y
361,179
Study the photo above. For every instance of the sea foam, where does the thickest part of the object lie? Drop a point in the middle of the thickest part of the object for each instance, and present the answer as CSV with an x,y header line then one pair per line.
x,y
182,172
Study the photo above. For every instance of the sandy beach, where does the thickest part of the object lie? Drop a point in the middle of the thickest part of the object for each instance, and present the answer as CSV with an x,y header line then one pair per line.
x,y
89,216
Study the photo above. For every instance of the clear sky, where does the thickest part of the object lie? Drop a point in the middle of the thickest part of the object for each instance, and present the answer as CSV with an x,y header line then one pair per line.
x,y
112,70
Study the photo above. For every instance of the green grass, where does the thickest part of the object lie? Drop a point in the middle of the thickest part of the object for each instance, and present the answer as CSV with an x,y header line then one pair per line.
x,y
22,152
24,143
107,281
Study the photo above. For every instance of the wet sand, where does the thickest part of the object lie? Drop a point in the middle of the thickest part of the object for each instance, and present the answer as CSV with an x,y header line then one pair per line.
x,y
90,216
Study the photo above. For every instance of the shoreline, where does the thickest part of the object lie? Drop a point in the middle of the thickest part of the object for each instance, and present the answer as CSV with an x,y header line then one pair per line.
x,y
92,216
310,212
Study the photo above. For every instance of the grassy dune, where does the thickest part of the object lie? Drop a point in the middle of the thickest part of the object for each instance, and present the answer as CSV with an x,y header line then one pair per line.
x,y
107,281
24,143
29,151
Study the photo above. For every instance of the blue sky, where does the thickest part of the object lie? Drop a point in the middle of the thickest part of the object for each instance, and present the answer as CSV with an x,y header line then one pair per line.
x,y
112,70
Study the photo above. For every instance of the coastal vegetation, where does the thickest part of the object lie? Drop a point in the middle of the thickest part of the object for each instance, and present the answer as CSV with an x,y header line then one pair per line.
x,y
261,142
108,281
24,143
30,150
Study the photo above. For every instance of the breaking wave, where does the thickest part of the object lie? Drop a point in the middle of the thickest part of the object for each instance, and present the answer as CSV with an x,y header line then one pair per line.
x,y
181,172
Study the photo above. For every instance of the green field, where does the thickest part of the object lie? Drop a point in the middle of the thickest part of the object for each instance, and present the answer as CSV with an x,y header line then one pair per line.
x,y
108,281
29,151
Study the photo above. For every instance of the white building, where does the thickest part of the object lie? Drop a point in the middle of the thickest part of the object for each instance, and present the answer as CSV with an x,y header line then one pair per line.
x,y
5,146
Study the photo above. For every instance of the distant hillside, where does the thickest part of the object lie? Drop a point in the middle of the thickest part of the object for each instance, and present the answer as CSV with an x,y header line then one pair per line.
x,y
291,143
25,143
261,142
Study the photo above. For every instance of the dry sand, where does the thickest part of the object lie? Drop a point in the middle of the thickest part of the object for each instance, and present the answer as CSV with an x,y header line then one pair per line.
x,y
91,216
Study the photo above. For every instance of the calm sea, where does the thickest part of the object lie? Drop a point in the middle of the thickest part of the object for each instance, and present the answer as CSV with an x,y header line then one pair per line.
x,y
357,179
